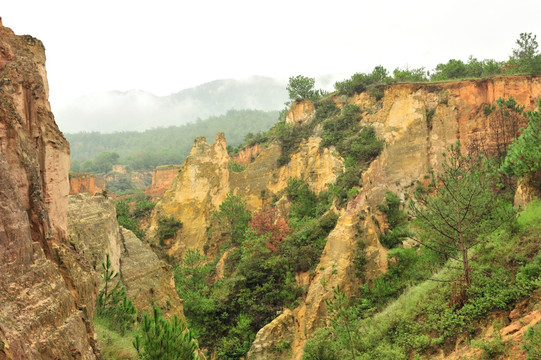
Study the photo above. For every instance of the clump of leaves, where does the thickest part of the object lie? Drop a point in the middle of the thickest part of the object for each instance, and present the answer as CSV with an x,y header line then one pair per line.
x,y
167,228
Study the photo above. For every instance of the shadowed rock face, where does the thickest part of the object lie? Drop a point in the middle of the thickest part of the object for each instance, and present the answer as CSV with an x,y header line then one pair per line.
x,y
94,230
47,292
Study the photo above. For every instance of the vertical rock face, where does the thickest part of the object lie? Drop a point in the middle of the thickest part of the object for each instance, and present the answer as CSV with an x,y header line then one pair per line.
x,y
247,155
200,187
300,112
47,296
162,178
86,183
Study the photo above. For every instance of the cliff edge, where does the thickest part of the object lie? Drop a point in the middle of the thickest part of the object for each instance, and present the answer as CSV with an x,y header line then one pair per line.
x,y
47,295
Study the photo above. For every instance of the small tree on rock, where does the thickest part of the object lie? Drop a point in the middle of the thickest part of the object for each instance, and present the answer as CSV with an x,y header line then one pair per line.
x,y
301,88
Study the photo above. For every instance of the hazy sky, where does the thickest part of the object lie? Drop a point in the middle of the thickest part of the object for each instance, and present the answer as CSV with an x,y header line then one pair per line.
x,y
163,46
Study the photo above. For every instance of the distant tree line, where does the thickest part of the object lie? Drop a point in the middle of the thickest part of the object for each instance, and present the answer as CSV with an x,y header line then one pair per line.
x,y
96,153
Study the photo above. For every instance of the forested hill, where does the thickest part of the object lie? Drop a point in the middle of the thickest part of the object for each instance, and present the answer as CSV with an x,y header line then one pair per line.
x,y
168,145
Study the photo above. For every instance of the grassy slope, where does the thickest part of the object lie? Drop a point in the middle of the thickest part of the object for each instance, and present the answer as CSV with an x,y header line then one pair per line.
x,y
420,322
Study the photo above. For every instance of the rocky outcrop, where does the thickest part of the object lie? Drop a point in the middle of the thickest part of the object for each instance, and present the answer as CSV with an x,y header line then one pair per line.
x,y
516,323
48,293
300,112
86,183
205,179
162,178
200,187
149,281
120,169
94,231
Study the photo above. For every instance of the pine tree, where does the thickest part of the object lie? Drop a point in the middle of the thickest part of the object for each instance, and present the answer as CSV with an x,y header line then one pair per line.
x,y
463,208
162,339
112,302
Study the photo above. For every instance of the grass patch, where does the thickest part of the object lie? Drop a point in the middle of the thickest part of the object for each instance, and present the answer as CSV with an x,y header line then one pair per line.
x,y
113,345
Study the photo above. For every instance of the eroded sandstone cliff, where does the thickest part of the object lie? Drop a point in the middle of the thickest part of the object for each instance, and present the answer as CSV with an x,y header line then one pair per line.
x,y
205,179
417,122
86,183
47,292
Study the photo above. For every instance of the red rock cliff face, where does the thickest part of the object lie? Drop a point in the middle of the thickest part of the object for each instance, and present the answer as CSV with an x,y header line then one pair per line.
x,y
46,296
86,183
162,178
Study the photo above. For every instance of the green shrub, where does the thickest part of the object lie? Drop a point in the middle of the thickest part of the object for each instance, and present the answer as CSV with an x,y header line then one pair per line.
x,y
532,342
325,109
493,348
358,146
397,220
165,339
359,82
410,75
232,218
167,228
524,155
236,167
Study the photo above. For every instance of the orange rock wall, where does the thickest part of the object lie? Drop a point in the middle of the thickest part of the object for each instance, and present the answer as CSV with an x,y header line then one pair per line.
x,y
47,296
86,183
162,178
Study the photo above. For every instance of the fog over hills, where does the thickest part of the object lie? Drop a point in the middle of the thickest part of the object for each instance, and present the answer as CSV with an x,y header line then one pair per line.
x,y
137,110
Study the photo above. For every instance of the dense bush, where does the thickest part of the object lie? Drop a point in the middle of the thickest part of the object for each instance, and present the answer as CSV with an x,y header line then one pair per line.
x,y
397,220
359,82
128,217
524,155
357,145
457,69
167,228
410,75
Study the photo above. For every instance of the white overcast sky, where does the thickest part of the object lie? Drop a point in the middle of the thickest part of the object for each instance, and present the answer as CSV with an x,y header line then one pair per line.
x,y
163,46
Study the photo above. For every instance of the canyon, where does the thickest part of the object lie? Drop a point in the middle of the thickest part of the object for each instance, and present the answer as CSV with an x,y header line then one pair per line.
x,y
52,243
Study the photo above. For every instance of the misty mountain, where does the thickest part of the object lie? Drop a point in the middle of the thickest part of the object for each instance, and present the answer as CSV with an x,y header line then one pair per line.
x,y
138,110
